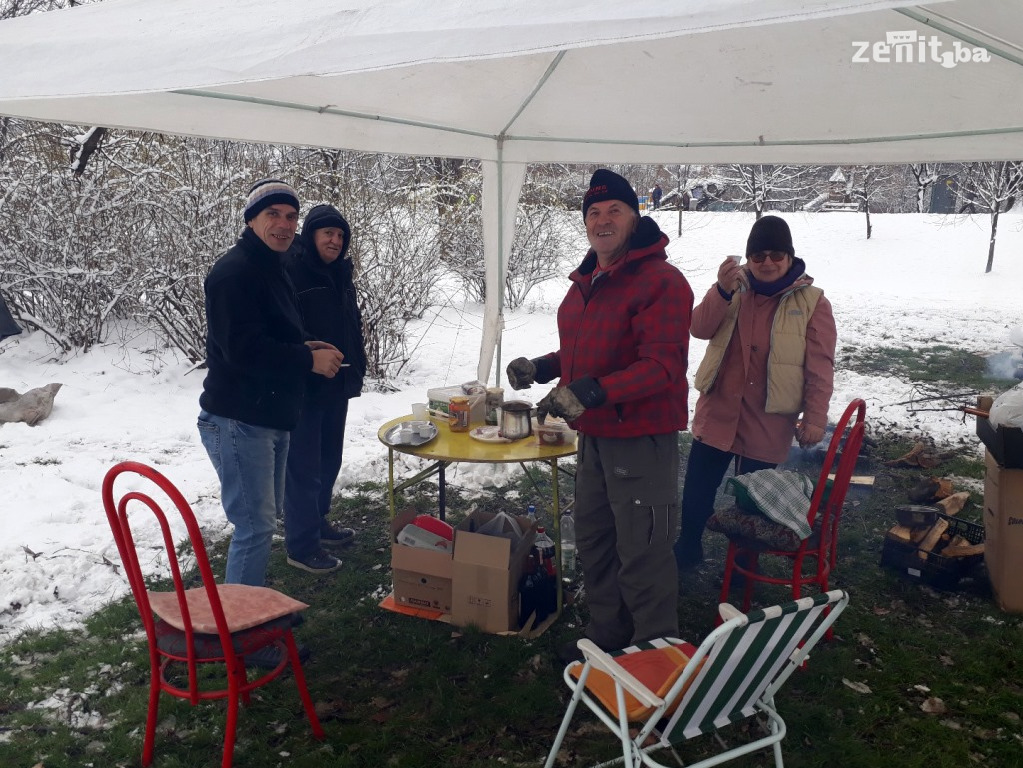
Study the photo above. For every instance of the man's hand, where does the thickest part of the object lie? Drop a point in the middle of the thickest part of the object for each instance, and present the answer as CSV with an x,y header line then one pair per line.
x,y
808,435
521,373
326,361
321,345
560,401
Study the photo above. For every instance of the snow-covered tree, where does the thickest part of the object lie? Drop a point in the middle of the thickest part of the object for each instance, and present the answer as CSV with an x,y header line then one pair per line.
x,y
992,187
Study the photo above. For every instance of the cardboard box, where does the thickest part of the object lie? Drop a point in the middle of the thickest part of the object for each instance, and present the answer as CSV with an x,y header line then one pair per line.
x,y
487,570
439,398
1003,532
1004,443
422,577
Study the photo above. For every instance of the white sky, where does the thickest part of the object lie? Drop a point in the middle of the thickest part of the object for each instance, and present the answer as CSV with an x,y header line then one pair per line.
x,y
919,281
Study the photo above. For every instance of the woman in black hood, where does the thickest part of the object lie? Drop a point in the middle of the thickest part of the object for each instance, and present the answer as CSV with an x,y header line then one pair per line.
x,y
322,274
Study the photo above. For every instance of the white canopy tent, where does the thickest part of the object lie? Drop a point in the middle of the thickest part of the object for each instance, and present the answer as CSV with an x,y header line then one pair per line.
x,y
512,82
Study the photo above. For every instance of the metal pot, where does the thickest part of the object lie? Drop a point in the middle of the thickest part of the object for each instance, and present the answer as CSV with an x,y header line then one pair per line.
x,y
515,420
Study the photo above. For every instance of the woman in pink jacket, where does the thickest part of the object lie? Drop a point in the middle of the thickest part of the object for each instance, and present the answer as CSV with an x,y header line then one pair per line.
x,y
770,358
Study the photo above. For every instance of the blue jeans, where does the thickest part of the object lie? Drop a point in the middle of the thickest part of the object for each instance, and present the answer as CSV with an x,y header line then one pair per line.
x,y
250,462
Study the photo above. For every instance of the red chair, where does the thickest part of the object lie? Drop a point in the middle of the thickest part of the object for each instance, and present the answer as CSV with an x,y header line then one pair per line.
x,y
210,624
745,551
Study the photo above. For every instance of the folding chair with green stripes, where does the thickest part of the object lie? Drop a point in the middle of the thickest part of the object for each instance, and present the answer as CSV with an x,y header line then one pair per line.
x,y
671,691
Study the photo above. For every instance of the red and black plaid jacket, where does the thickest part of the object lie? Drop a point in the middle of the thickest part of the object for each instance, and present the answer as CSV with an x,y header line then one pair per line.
x,y
629,330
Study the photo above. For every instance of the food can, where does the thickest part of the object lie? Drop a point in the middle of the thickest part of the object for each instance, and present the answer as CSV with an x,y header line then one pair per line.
x,y
458,414
495,399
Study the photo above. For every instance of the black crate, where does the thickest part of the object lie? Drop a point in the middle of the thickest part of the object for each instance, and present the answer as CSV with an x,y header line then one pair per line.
x,y
937,571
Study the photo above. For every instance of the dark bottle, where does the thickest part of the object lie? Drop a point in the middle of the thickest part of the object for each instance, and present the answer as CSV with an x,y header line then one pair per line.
x,y
545,546
537,593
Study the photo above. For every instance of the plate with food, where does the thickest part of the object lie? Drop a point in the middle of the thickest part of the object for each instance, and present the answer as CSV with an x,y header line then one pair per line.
x,y
488,434
412,433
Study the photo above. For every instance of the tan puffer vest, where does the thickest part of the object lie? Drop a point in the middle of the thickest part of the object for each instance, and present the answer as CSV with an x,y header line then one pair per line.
x,y
788,349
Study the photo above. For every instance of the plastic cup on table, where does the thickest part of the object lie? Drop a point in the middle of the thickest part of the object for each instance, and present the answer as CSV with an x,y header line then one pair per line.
x,y
419,411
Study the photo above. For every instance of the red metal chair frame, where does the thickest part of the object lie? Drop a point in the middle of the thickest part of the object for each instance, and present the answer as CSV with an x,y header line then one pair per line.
x,y
825,552
224,644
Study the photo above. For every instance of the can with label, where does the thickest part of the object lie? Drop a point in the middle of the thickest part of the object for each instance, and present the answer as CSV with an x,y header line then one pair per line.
x,y
458,414
495,399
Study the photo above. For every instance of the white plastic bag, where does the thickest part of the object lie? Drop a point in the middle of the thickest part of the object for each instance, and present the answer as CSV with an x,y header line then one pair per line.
x,y
1007,409
504,525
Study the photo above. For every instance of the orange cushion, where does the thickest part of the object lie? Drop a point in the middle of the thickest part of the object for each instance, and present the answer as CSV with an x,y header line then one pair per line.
x,y
244,607
656,668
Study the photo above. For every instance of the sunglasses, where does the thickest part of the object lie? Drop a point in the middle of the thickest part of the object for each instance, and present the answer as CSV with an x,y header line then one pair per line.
x,y
761,256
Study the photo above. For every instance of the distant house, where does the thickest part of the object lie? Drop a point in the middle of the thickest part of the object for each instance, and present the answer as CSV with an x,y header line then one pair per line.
x,y
838,197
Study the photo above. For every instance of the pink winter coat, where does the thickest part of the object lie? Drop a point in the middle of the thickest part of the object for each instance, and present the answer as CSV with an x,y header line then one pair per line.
x,y
732,417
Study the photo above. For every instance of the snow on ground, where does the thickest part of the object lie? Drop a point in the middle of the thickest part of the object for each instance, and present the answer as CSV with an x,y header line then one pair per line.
x,y
919,281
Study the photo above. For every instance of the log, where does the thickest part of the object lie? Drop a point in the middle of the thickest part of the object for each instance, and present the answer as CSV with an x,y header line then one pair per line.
x,y
901,532
932,537
963,550
952,505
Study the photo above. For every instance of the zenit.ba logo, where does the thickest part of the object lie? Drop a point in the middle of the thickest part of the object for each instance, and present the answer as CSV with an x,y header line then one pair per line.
x,y
912,48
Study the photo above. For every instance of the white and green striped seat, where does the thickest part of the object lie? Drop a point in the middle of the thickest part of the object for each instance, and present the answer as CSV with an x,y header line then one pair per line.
x,y
733,675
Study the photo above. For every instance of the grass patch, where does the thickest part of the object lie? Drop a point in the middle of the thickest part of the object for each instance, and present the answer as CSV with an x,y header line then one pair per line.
x,y
398,691
936,365
401,692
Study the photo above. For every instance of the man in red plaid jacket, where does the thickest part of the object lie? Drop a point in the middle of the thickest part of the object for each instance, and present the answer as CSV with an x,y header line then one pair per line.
x,y
624,334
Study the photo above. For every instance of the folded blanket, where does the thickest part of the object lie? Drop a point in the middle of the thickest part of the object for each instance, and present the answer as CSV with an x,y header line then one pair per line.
x,y
781,495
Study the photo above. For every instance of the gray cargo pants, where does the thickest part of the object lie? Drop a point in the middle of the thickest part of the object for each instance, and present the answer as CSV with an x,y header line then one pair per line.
x,y
626,502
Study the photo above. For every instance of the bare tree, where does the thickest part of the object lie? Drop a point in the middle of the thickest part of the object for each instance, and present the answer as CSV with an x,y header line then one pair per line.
x,y
992,187
925,174
867,183
758,187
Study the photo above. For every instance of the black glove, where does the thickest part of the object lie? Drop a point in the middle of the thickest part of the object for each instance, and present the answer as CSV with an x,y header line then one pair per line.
x,y
521,373
570,402
560,401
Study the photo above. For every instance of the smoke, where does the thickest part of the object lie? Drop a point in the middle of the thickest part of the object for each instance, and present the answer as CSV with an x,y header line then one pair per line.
x,y
1006,365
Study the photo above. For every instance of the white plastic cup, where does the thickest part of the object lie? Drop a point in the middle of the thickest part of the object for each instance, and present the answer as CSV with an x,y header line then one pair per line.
x,y
419,411
737,259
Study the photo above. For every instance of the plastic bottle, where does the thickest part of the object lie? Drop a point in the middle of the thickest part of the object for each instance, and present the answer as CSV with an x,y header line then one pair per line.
x,y
567,545
545,546
531,513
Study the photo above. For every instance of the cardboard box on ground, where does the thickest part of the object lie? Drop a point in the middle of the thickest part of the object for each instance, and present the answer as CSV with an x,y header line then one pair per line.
x,y
1003,532
422,577
487,571
477,585
1004,443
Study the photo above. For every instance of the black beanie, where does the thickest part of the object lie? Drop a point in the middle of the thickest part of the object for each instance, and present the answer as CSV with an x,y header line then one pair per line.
x,y
320,217
267,192
770,233
608,185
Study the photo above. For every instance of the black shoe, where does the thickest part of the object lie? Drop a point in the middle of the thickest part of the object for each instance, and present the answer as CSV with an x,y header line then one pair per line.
x,y
569,652
317,562
270,656
335,537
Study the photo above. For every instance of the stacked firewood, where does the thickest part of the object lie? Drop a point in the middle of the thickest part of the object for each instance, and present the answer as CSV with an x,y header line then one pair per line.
x,y
930,533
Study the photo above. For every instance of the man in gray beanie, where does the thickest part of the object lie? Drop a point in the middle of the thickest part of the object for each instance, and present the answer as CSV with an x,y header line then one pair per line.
x,y
257,359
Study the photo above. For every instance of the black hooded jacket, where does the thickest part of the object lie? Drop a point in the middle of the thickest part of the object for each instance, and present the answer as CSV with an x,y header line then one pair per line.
x,y
328,303
256,358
